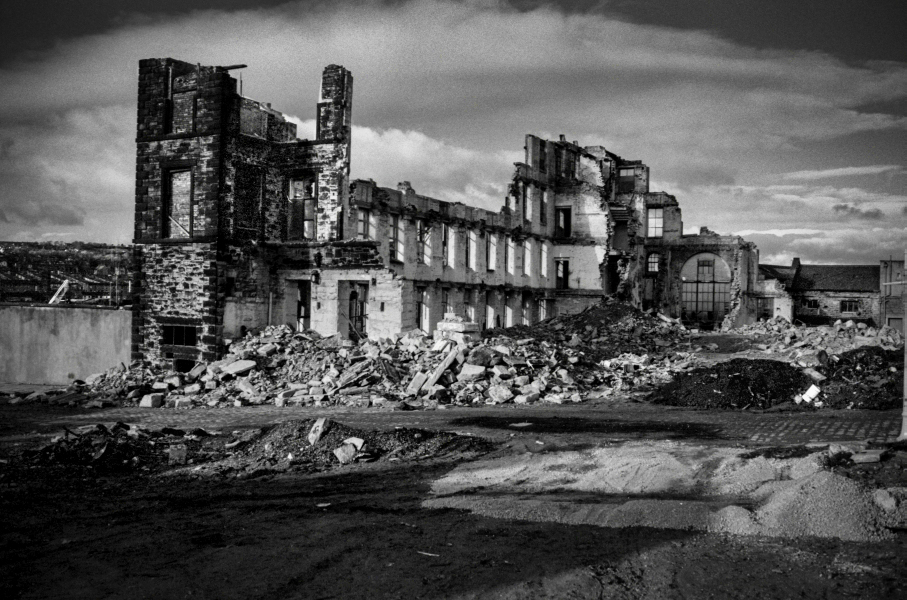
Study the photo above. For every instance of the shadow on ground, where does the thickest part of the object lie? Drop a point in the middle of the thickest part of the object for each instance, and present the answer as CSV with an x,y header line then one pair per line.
x,y
360,533
628,429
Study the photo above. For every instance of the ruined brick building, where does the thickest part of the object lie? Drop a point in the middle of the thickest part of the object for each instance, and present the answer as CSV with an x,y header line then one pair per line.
x,y
238,225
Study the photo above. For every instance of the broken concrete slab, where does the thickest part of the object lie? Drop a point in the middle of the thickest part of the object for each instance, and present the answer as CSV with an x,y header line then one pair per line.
x,y
240,367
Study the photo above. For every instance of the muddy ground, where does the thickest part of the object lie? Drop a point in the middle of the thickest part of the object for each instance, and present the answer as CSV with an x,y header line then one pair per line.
x,y
360,531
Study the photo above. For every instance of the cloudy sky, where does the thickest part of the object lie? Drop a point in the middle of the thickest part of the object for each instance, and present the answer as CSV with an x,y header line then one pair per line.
x,y
783,121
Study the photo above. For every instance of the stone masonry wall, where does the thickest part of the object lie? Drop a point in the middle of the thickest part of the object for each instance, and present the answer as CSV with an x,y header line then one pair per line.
x,y
176,284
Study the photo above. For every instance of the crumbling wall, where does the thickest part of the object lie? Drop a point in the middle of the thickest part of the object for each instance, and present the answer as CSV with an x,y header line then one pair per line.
x,y
868,311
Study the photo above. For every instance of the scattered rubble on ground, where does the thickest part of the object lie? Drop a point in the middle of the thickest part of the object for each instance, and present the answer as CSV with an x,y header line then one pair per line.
x,y
608,351
299,445
805,345
317,445
868,377
738,383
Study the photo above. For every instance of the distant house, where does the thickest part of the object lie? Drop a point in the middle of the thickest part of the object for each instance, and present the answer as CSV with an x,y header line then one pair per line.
x,y
20,287
820,294
825,293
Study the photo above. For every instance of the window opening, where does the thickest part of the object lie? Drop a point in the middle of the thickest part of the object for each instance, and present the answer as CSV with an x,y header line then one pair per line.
x,y
491,251
179,335
527,257
363,228
178,205
850,306
562,222
561,273
655,222
397,239
652,262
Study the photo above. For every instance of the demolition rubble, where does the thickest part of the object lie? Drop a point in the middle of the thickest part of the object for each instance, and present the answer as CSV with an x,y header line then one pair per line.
x,y
605,352
605,349
309,445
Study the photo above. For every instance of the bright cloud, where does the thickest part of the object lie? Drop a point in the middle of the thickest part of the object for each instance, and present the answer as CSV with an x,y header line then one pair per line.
x,y
846,172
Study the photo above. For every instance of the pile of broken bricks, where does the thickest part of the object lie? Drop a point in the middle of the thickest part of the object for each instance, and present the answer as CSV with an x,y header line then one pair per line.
x,y
805,345
593,354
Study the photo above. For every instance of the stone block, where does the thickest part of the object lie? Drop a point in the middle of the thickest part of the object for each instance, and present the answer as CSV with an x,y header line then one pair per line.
x,y
471,372
500,394
417,382
502,371
240,367
267,349
152,401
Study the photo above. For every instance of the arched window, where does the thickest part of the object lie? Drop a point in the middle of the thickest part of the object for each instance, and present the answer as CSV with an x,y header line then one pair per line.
x,y
652,262
706,288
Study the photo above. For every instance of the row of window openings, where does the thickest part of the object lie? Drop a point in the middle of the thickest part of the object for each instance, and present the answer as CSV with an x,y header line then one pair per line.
x,y
562,220
845,306
178,218
563,223
559,160
397,249
492,316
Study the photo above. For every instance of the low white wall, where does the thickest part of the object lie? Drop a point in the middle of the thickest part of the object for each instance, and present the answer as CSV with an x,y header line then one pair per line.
x,y
56,344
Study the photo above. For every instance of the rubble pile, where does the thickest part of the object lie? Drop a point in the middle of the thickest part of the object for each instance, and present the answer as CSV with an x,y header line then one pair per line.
x,y
120,448
320,444
868,377
736,384
607,348
808,345
306,445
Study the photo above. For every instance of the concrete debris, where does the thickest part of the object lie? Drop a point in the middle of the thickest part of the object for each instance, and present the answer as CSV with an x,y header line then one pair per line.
x,y
317,430
810,346
609,348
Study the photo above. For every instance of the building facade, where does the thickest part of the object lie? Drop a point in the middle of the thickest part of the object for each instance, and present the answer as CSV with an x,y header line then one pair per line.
x,y
239,224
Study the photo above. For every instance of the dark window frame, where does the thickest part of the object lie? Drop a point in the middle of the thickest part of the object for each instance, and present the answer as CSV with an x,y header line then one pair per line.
x,y
653,260
180,335
850,304
565,229
167,224
562,273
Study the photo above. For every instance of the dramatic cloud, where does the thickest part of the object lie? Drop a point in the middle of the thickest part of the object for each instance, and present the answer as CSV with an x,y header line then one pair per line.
x,y
873,214
444,95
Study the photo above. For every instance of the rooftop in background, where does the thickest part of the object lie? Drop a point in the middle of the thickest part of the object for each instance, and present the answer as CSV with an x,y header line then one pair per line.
x,y
837,278
785,275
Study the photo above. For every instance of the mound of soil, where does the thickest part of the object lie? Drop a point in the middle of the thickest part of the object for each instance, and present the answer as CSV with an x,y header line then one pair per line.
x,y
103,449
286,447
738,383
868,377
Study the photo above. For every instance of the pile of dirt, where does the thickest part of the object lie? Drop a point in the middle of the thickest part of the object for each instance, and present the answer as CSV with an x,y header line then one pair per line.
x,y
282,447
868,377
288,447
735,384
120,448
